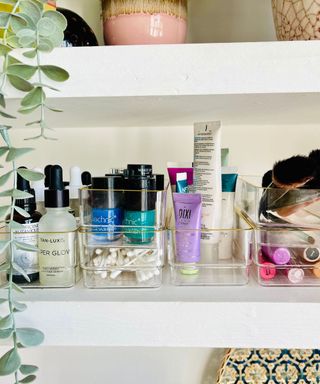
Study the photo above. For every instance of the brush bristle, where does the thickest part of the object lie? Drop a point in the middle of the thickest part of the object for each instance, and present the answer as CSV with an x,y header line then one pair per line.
x,y
296,169
112,8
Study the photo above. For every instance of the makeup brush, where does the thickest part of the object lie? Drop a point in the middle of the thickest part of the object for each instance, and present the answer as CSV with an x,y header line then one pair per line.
x,y
294,172
177,8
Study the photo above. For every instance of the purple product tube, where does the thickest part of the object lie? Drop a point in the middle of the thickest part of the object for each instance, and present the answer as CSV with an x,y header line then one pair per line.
x,y
278,255
187,211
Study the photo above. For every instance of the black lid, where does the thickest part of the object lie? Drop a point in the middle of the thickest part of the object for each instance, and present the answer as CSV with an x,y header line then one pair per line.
x,y
109,181
139,170
56,196
47,170
86,178
28,204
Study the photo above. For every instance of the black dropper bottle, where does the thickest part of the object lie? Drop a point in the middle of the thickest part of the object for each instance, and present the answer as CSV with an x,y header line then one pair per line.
x,y
27,260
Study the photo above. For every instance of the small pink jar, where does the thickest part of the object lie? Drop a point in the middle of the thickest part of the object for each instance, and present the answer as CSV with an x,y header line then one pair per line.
x,y
129,22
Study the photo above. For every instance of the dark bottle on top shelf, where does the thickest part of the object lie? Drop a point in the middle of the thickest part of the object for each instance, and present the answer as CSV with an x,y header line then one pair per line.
x,y
78,33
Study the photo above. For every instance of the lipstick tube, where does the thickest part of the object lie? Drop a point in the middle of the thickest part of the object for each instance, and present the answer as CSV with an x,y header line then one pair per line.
x,y
277,255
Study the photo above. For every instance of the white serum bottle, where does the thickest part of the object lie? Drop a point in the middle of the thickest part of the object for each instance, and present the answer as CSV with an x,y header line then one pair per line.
x,y
57,258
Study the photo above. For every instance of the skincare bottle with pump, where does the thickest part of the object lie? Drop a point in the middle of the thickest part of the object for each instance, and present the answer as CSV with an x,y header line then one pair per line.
x,y
57,235
27,260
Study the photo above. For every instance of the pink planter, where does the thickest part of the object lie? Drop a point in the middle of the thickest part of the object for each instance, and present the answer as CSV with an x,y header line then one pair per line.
x,y
144,22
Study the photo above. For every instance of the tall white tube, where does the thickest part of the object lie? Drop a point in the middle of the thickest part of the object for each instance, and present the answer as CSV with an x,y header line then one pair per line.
x,y
207,175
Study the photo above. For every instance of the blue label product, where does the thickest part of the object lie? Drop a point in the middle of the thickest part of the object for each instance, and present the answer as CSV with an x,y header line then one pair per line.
x,y
139,203
106,202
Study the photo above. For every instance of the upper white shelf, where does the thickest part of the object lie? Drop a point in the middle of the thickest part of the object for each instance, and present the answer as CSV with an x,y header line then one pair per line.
x,y
240,83
248,316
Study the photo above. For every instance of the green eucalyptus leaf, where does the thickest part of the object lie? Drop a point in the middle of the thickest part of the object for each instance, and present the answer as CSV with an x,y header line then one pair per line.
x,y
14,153
33,98
58,18
4,49
33,123
19,83
6,333
12,60
15,226
13,41
21,271
46,27
53,109
22,212
3,245
4,133
46,86
26,246
4,267
28,369
6,322
16,194
4,210
6,115
3,300
29,337
28,379
17,23
30,54
27,110
55,73
4,19
17,288
23,70
26,32
3,150
27,41
56,38
29,22
30,175
31,9
19,307
10,2
9,362
45,45
2,100
4,178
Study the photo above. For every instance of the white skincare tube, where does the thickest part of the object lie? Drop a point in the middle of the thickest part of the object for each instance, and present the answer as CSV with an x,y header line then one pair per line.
x,y
229,180
207,176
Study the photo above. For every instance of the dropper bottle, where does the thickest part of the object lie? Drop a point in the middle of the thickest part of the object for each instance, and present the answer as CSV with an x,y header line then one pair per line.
x,y
27,260
57,235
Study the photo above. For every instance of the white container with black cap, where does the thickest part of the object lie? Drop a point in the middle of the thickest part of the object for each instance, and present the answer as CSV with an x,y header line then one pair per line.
x,y
57,228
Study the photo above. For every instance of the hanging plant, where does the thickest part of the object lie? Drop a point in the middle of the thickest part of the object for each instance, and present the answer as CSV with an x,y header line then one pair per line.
x,y
23,24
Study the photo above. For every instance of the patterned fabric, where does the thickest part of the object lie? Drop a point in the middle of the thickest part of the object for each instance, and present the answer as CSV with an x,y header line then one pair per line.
x,y
297,19
271,366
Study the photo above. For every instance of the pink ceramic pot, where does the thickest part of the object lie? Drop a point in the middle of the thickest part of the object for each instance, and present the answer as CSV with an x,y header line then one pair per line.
x,y
144,22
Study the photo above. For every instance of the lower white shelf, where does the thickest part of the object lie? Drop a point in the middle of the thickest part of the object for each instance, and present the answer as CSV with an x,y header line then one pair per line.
x,y
248,316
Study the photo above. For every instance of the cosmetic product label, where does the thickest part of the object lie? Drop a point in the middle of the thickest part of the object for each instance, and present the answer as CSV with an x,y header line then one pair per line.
x,y
106,221
27,260
57,259
140,225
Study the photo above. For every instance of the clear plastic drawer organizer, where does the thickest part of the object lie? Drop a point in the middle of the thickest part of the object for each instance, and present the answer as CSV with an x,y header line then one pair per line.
x,y
287,230
53,265
224,258
122,237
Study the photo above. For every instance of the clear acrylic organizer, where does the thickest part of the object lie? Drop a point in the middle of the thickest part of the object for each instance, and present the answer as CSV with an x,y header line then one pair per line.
x,y
223,261
287,257
277,206
54,265
122,238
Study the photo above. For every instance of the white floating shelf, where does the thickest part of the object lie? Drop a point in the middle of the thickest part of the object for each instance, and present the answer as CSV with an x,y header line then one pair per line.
x,y
240,83
248,316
